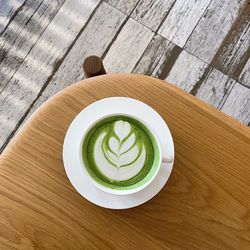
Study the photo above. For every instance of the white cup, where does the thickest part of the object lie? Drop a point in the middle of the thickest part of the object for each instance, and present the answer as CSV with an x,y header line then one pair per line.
x,y
132,190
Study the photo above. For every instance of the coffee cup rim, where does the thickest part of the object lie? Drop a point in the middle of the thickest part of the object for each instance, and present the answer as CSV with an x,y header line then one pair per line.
x,y
116,191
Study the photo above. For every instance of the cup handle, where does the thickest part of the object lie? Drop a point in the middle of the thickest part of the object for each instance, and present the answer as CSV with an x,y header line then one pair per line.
x,y
167,159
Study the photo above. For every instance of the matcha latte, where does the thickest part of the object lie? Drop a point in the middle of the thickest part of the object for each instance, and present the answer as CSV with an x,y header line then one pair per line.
x,y
119,152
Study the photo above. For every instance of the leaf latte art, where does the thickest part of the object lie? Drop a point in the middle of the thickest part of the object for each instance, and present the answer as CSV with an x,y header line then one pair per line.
x,y
119,152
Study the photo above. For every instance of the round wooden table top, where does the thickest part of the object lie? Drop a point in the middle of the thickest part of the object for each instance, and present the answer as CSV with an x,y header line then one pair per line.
x,y
205,204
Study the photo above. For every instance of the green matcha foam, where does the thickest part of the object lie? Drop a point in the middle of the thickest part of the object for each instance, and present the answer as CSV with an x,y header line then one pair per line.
x,y
120,152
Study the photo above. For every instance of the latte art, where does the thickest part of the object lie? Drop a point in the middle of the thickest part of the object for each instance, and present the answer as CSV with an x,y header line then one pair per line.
x,y
120,152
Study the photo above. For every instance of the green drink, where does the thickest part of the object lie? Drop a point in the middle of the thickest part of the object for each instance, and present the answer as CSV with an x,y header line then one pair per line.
x,y
120,153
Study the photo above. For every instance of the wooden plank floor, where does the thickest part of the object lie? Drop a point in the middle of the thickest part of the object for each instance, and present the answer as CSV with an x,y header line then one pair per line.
x,y
202,46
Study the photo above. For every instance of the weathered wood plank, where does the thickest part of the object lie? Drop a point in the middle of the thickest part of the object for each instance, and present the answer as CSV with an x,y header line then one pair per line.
x,y
152,13
167,61
182,19
237,104
126,6
42,60
18,21
213,27
112,2
95,39
215,88
152,55
235,49
22,33
7,10
186,70
245,74
128,47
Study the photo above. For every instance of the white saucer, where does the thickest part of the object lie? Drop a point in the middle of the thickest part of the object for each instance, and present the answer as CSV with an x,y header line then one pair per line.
x,y
72,142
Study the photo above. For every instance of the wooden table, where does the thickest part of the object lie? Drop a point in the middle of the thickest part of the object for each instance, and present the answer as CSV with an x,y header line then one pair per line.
x,y
205,204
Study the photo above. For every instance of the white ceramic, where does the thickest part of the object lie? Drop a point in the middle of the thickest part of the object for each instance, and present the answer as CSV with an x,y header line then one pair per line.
x,y
72,156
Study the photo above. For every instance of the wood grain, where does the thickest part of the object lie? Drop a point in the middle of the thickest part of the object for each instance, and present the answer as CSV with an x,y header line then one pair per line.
x,y
182,19
93,66
42,48
215,88
205,204
126,6
128,47
245,74
213,27
8,10
22,34
14,31
95,39
152,54
235,50
112,2
167,61
152,13
186,71
40,63
237,104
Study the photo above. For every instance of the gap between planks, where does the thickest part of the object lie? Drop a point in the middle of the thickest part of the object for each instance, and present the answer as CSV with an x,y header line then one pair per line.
x,y
36,78
118,37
